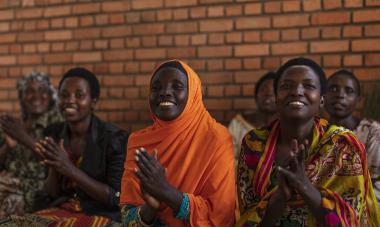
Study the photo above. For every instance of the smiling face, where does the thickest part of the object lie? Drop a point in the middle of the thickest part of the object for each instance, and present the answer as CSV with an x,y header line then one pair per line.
x,y
342,96
265,98
75,102
168,93
36,98
298,93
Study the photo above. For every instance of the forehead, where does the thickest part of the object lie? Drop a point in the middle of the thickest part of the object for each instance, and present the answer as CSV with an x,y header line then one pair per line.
x,y
75,83
342,80
35,84
299,72
168,74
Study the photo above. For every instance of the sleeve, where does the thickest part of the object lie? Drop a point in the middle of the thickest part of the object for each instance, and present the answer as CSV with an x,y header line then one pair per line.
x,y
215,206
347,193
234,130
130,217
115,164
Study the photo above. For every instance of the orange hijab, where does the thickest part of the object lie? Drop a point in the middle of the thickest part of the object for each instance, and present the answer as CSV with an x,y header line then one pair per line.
x,y
197,153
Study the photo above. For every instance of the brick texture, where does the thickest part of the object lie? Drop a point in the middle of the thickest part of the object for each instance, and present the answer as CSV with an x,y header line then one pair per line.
x,y
230,43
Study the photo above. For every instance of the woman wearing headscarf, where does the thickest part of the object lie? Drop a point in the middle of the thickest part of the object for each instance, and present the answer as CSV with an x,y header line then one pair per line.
x,y
180,170
85,156
22,176
343,93
302,171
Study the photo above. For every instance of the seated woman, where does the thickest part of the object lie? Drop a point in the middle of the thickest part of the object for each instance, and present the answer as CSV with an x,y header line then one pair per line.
x,y
180,170
21,175
85,156
343,93
301,171
266,112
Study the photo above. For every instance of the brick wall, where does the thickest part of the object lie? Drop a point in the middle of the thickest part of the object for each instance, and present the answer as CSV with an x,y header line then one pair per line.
x,y
230,43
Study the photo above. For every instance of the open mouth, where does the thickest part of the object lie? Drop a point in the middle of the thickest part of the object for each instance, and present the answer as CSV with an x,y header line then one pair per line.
x,y
69,110
296,104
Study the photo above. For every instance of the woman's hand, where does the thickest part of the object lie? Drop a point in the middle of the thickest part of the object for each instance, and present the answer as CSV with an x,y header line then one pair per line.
x,y
55,156
294,173
13,127
11,143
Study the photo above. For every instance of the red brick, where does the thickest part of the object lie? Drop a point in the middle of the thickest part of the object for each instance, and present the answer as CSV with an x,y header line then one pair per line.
x,y
331,32
133,42
182,27
214,1
253,36
71,22
153,53
372,3
199,12
291,20
248,76
310,33
7,60
270,36
219,51
181,52
367,73
117,18
119,6
29,59
101,44
291,6
290,34
216,25
215,65
58,35
352,31
289,48
117,55
118,80
43,47
328,5
81,57
218,104
149,41
30,36
131,67
271,63
252,63
165,15
234,10
241,103
329,46
233,64
57,11
215,11
234,37
215,91
7,38
30,48
372,30
29,13
142,80
171,3
181,14
115,104
252,50
216,77
42,24
197,64
6,106
86,8
366,45
252,22
352,60
182,40
148,16
367,15
216,39
146,4
15,49
199,39
58,47
353,3
311,5
133,17
253,8
165,40
131,92
332,61
148,29
87,33
86,21
232,90
147,67
272,7
330,18
372,59
6,15
60,58
119,31
57,23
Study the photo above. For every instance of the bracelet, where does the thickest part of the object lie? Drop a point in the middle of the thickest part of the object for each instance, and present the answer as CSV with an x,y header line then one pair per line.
x,y
140,221
184,209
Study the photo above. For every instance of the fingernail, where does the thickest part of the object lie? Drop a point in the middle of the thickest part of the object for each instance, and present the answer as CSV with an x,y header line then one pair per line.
x,y
137,158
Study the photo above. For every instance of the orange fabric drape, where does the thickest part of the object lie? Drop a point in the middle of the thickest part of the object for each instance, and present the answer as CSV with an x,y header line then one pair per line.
x,y
197,153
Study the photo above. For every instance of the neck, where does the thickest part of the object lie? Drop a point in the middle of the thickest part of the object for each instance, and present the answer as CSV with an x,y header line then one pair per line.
x,y
80,129
349,122
267,117
300,130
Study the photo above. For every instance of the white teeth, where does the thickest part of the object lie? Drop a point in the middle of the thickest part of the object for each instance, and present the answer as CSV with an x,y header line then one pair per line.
x,y
296,103
70,110
166,104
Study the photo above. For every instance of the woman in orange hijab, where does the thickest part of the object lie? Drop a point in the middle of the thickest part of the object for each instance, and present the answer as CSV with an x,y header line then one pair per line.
x,y
180,170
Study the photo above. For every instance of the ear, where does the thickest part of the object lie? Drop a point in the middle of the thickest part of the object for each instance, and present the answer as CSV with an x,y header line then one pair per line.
x,y
93,104
322,101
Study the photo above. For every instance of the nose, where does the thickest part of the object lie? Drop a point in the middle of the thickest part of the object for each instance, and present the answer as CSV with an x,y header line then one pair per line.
x,y
166,91
298,90
341,93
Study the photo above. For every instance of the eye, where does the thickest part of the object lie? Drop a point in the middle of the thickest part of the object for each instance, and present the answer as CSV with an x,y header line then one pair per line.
x,y
284,86
310,86
79,95
349,90
63,95
333,89
155,87
178,86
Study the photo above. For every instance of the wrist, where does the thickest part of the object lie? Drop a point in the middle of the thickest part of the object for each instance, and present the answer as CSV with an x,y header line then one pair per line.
x,y
147,214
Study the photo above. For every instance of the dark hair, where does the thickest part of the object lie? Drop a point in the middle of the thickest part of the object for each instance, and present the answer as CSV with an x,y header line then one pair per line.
x,y
350,75
300,61
84,74
267,76
171,64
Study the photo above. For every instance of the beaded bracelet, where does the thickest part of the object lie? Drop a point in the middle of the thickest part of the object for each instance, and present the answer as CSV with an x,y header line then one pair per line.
x,y
184,209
